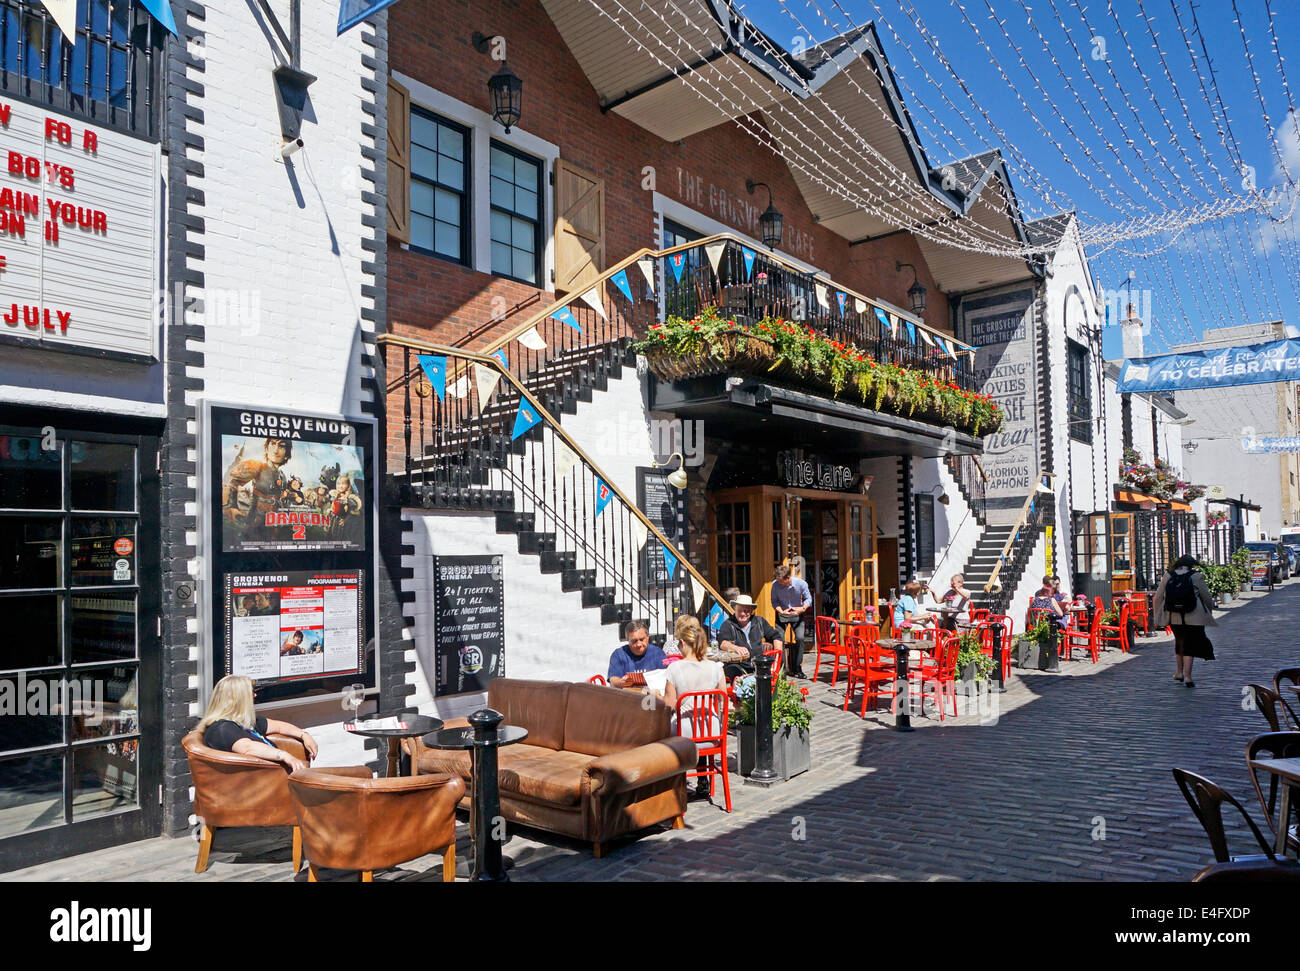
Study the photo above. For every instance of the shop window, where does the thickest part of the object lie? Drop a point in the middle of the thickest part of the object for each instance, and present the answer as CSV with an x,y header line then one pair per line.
x,y
733,539
924,531
1080,403
679,290
439,161
516,205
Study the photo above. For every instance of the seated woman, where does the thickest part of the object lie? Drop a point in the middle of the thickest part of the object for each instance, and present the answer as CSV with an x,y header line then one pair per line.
x,y
694,672
231,725
1046,599
957,596
908,612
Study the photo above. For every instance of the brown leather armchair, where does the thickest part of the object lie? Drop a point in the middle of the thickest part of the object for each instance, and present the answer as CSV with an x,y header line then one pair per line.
x,y
370,824
239,790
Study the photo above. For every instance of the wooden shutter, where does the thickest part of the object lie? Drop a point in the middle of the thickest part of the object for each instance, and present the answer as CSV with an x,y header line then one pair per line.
x,y
399,162
579,226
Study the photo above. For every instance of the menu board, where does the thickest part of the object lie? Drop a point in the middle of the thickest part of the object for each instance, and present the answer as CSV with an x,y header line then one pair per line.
x,y
469,623
1261,569
666,508
79,223
288,626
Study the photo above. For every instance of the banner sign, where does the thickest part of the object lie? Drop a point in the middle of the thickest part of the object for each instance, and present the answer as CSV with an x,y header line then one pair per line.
x,y
289,509
1224,368
352,12
469,623
1270,445
79,224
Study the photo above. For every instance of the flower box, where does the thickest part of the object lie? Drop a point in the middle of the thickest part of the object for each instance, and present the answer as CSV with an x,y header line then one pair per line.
x,y
791,751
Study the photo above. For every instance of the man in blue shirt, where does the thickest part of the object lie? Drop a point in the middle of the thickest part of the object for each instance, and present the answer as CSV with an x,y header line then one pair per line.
x,y
792,601
638,654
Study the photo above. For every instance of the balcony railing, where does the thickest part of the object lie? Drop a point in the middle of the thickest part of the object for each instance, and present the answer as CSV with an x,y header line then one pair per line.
x,y
723,271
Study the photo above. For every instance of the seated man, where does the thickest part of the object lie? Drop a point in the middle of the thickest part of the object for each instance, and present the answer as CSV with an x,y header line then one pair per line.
x,y
638,654
746,634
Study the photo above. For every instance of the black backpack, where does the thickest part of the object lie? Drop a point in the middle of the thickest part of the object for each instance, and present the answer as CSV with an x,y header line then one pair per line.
x,y
1180,594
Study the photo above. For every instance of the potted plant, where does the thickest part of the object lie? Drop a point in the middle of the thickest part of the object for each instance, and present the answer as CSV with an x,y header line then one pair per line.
x,y
1032,646
1240,563
791,716
972,663
1222,581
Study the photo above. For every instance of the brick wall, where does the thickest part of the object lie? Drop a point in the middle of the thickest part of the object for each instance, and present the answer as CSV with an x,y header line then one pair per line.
x,y
431,297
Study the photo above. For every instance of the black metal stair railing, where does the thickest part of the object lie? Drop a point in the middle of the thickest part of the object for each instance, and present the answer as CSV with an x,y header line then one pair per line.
x,y
460,452
742,282
971,481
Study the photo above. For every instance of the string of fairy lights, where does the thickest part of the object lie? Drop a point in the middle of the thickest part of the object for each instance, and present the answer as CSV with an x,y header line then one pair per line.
x,y
1149,166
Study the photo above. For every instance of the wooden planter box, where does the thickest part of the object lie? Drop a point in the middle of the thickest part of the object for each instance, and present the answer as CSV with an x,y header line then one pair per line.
x,y
791,751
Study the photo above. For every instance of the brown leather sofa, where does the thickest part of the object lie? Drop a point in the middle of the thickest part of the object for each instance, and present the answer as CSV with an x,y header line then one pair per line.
x,y
239,790
597,763
371,824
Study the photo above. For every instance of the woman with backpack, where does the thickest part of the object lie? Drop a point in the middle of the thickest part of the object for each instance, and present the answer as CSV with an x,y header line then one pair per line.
x,y
1183,603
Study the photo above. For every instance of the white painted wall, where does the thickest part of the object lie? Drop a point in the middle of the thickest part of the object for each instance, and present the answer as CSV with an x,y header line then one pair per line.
x,y
956,530
282,243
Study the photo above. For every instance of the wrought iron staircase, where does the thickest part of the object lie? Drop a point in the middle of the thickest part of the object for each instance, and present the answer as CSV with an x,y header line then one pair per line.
x,y
997,564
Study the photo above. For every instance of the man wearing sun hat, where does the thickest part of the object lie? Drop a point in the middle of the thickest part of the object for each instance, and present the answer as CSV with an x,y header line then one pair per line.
x,y
746,633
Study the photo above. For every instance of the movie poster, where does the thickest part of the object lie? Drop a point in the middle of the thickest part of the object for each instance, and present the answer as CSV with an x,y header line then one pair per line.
x,y
290,483
284,626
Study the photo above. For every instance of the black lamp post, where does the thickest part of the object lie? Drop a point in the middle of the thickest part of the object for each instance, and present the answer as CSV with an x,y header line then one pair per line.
x,y
771,222
505,89
916,292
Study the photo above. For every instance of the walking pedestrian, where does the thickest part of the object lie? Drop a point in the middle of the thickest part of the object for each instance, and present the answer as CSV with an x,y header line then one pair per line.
x,y
1183,604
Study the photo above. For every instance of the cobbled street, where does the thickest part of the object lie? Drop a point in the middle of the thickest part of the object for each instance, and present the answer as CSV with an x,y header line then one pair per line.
x,y
1070,781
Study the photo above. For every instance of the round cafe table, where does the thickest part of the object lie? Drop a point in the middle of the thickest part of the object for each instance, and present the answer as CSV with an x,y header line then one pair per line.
x,y
484,735
902,647
409,726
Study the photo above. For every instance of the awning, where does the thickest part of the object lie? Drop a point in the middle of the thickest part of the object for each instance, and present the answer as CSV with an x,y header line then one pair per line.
x,y
1150,502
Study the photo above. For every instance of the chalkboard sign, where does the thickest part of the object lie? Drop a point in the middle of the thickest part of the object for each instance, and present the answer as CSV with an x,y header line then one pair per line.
x,y
469,623
666,508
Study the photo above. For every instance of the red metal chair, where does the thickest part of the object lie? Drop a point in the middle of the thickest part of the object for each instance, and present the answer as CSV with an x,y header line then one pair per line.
x,y
1140,612
1008,632
1115,633
941,671
867,667
596,679
857,616
828,642
978,615
707,714
1086,639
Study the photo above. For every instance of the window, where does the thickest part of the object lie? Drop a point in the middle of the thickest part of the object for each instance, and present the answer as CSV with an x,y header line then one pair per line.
x,y
678,288
439,187
733,539
1080,402
109,75
516,214
924,531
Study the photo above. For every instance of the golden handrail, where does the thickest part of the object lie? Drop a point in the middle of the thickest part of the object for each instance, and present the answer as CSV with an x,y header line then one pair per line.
x,y
486,361
1022,520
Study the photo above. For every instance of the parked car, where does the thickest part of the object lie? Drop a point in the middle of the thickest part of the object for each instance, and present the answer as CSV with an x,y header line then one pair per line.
x,y
1294,553
1279,562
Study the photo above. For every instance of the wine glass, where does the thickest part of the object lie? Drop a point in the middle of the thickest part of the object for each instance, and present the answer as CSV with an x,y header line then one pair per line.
x,y
354,696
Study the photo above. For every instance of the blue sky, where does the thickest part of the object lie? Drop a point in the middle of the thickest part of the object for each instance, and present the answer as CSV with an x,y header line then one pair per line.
x,y
1126,145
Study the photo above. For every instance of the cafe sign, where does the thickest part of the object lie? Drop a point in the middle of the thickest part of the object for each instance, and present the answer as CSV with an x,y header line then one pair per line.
x,y
798,471
79,214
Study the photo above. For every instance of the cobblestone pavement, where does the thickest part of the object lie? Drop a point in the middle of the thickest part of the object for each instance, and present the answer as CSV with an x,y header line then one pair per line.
x,y
1067,778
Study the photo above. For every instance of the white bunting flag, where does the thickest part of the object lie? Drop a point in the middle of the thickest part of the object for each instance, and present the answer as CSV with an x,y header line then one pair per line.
x,y
565,458
460,388
648,270
714,253
697,591
926,337
64,13
893,326
640,532
532,340
592,299
485,378
859,305
822,297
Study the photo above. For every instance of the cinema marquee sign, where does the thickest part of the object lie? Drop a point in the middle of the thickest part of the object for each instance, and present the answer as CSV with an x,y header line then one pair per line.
x,y
79,232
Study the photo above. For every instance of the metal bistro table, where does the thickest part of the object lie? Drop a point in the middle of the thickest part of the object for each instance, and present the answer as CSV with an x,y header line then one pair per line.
x,y
483,737
1288,776
411,726
902,647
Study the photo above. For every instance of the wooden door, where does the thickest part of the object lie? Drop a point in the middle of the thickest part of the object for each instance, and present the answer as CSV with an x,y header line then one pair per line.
x,y
860,578
579,226
1121,552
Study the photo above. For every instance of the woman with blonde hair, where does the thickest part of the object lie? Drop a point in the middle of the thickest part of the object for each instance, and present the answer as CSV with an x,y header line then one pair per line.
x,y
694,672
231,725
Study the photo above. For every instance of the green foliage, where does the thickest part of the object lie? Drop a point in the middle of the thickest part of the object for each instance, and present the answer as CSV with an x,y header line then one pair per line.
x,y
969,652
1220,579
789,708
842,368
1240,563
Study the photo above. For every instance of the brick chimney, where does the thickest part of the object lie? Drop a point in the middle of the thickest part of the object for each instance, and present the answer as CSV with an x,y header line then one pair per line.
x,y
1131,334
